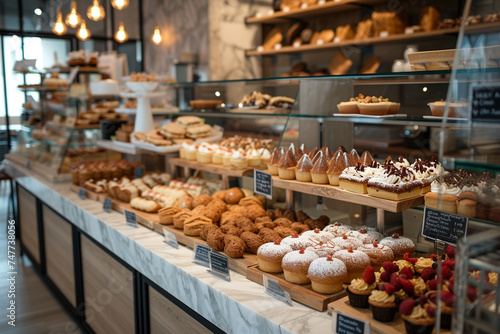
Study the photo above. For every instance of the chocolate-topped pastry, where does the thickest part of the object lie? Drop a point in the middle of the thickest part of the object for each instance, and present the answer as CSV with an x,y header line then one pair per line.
x,y
313,153
275,159
354,156
303,171
337,166
298,152
316,156
286,170
366,158
388,161
304,149
327,152
318,172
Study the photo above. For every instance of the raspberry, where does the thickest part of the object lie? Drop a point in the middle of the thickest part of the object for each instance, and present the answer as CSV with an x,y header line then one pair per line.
x,y
385,276
450,286
446,272
408,286
452,280
381,286
450,252
430,310
433,257
389,288
375,244
295,235
447,298
395,236
396,281
368,275
432,284
349,249
407,272
406,307
390,266
422,300
409,259
427,274
435,266
277,242
449,263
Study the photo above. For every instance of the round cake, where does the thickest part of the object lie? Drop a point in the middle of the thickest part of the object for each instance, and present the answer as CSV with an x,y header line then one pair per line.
x,y
337,229
355,262
324,250
270,254
327,275
297,242
344,242
399,245
295,265
378,254
365,237
318,235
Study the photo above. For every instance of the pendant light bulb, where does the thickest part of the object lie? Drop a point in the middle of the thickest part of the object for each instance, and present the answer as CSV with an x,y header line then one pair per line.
x,y
119,4
59,28
73,19
156,37
121,35
96,11
83,33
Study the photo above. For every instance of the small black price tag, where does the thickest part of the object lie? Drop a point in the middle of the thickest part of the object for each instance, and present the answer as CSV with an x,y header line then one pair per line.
x,y
343,324
81,193
130,218
219,265
138,172
107,205
485,102
263,183
170,239
202,254
444,226
28,164
273,289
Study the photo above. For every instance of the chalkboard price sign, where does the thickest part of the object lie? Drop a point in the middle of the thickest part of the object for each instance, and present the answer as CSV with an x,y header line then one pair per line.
x,y
444,226
263,184
219,265
485,102
130,218
343,324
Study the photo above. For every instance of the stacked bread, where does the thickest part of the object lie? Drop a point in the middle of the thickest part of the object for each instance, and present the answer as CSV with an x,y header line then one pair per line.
x,y
97,171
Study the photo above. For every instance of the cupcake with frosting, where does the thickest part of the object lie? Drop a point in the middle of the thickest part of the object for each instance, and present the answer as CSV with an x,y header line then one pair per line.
x,y
360,289
383,303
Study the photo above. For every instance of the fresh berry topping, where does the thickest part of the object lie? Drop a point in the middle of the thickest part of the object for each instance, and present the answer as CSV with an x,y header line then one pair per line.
x,y
329,258
406,307
344,237
452,279
396,281
301,251
409,259
389,288
449,263
430,310
277,242
295,235
422,300
381,286
385,276
375,244
390,266
349,249
433,257
432,284
337,224
368,275
427,274
447,298
408,286
362,231
450,252
471,293
407,272
395,236
446,272
316,230
450,286
435,266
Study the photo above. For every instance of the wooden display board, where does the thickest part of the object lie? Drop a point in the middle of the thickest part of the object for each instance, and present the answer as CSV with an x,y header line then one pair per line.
x,y
302,293
152,221
335,192
211,168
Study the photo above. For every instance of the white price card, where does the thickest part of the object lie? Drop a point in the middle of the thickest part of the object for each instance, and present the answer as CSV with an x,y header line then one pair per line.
x,y
170,239
273,289
343,324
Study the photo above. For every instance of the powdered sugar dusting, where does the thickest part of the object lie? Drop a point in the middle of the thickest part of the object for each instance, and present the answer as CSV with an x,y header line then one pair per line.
x,y
270,249
397,243
296,259
357,258
322,268
298,243
337,230
324,250
346,243
320,236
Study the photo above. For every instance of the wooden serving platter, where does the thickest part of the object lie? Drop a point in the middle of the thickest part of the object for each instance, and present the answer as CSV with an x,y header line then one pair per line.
x,y
152,221
211,168
396,326
335,192
300,293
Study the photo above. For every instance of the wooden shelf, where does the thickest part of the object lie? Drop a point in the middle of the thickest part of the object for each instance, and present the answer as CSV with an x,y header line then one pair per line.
x,y
211,168
371,41
328,191
328,7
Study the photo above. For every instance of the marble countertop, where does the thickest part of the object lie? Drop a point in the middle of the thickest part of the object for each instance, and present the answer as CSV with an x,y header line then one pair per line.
x,y
239,306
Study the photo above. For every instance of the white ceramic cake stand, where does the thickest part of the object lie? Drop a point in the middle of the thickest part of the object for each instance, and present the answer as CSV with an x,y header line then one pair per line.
x,y
144,116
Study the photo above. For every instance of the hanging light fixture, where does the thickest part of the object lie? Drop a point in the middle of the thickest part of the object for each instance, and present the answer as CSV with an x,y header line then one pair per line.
x,y
58,27
83,33
73,19
121,35
96,11
156,37
119,4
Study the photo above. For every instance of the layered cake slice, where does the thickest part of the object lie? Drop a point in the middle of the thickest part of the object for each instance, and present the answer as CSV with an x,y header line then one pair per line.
x,y
395,184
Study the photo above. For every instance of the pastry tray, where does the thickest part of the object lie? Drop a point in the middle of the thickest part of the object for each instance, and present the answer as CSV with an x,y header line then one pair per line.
x,y
372,116
449,118
216,136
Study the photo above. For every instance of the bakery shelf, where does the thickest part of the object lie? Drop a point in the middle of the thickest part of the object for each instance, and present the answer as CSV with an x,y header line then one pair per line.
x,y
112,145
335,192
211,168
372,41
328,7
43,89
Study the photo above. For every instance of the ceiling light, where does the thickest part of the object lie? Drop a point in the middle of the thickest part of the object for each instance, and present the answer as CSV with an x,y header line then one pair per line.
x,y
59,28
121,35
73,19
96,11
83,33
119,4
156,38
38,11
